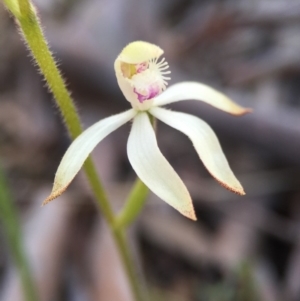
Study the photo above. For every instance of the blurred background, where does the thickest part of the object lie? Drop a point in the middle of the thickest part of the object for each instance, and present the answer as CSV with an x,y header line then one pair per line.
x,y
241,248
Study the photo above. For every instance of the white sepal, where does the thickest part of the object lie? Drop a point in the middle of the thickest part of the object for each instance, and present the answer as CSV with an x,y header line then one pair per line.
x,y
197,91
80,149
153,169
206,144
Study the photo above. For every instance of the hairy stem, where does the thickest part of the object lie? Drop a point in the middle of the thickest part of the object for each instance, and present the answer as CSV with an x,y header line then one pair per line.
x,y
36,42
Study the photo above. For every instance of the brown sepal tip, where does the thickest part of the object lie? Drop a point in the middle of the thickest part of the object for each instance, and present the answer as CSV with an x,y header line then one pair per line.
x,y
52,196
232,189
244,111
190,214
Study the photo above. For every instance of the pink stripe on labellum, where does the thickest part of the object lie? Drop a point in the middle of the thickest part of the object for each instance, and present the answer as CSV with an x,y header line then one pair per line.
x,y
149,93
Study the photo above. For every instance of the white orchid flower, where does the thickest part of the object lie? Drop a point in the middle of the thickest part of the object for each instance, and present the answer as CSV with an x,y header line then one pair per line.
x,y
143,79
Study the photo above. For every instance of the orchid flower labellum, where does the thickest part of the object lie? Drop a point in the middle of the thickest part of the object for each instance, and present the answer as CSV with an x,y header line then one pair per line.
x,y
142,77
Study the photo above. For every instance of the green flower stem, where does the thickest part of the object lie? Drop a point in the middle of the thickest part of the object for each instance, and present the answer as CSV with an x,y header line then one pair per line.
x,y
12,227
122,244
33,36
133,206
13,6
25,7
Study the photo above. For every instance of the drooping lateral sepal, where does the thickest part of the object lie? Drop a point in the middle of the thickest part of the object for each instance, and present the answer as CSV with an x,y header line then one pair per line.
x,y
206,144
153,169
80,149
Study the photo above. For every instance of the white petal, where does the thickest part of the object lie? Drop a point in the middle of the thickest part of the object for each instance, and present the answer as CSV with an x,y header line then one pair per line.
x,y
80,149
206,144
198,91
153,168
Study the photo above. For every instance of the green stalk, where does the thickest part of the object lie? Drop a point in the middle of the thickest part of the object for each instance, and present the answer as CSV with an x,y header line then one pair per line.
x,y
133,206
33,36
120,238
13,7
25,7
10,220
